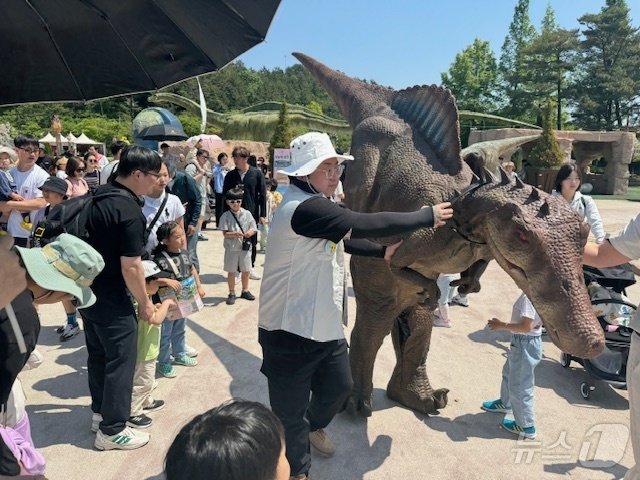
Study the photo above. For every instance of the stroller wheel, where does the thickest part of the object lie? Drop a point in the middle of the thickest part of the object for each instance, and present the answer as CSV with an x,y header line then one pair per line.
x,y
585,390
565,360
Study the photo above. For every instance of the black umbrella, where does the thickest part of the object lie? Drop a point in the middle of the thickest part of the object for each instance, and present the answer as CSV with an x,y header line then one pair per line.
x,y
75,50
162,132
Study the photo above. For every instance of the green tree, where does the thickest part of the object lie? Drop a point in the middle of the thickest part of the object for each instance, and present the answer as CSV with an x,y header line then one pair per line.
x,y
608,86
513,73
472,78
549,60
546,153
549,22
282,135
315,107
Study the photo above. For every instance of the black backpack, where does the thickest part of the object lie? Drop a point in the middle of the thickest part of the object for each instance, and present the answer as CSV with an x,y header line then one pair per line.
x,y
71,216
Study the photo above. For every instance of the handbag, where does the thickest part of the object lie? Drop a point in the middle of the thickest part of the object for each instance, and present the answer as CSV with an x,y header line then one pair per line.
x,y
246,243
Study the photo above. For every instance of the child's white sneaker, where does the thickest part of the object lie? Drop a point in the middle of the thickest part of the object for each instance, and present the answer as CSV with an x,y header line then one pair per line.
x,y
439,322
460,300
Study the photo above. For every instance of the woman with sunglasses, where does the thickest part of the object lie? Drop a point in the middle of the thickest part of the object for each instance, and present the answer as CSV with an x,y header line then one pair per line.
x,y
75,177
92,174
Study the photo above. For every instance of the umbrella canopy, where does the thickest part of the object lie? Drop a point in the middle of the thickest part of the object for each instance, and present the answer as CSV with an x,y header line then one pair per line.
x,y
162,132
209,142
84,140
142,45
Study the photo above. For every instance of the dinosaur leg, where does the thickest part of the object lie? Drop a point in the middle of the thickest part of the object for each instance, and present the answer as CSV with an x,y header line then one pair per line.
x,y
470,279
376,309
409,384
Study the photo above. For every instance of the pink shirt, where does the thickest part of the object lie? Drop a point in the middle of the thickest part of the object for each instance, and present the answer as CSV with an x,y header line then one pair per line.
x,y
77,187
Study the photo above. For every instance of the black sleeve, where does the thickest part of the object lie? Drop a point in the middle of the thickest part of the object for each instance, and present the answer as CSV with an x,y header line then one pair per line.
x,y
131,229
364,248
319,217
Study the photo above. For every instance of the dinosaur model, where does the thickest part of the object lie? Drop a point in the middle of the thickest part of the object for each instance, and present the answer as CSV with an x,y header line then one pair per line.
x,y
407,154
258,122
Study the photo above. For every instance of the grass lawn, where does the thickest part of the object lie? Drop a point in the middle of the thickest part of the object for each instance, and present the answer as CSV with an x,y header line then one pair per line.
x,y
633,195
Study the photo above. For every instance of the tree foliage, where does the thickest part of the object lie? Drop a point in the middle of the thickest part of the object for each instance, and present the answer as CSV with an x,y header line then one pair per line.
x,y
472,77
282,135
513,72
550,59
546,152
608,84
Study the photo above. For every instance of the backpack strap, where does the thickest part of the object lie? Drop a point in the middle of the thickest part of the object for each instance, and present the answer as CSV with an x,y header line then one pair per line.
x,y
157,216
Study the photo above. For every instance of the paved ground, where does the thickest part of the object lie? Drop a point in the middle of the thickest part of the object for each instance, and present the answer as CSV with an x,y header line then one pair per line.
x,y
577,438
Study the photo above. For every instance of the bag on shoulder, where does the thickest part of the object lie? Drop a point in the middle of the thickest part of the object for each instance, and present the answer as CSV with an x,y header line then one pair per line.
x,y
71,216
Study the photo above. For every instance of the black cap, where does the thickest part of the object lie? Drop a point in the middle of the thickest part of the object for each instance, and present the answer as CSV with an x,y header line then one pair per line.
x,y
55,184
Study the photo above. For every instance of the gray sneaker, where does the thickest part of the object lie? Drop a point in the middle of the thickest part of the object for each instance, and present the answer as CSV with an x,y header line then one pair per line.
x,y
69,331
127,439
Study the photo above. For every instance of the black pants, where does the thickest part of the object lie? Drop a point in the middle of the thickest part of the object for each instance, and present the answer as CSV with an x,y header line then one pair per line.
x,y
110,332
219,207
308,384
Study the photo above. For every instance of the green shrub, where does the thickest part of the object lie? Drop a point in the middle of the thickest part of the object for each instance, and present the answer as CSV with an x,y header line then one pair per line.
x,y
546,153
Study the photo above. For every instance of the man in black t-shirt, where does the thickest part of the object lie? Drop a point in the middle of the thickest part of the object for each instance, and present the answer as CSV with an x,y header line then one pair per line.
x,y
116,229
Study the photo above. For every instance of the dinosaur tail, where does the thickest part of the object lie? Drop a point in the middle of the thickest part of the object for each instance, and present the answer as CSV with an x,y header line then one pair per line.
x,y
356,100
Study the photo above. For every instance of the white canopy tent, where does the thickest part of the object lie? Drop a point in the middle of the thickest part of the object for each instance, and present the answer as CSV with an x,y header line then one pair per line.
x,y
48,138
84,140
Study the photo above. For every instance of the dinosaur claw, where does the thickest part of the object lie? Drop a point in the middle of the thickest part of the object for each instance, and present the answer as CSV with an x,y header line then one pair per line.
x,y
355,405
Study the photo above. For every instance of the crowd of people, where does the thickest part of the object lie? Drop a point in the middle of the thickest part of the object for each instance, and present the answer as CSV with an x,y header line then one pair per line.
x,y
141,254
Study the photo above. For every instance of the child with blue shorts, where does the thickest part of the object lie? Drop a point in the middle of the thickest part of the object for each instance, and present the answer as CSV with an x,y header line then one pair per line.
x,y
525,353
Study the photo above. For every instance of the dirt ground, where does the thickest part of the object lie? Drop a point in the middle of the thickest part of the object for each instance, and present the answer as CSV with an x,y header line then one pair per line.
x,y
578,438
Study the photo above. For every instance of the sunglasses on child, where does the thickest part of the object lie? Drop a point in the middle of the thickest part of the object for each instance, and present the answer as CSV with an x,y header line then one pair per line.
x,y
234,201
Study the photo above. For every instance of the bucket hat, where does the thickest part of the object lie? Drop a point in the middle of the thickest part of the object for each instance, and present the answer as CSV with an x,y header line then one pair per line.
x,y
55,184
308,151
151,270
67,264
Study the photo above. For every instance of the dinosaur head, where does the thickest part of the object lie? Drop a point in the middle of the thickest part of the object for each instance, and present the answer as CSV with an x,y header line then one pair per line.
x,y
538,240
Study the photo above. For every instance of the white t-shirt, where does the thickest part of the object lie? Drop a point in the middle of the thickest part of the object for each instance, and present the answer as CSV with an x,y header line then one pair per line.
x,y
192,171
172,211
106,171
524,308
627,242
27,184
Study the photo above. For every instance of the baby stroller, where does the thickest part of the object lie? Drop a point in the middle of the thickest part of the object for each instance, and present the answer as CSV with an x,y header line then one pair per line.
x,y
613,309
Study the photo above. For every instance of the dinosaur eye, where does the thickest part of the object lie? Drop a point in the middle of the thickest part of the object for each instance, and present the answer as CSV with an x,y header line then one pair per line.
x,y
522,236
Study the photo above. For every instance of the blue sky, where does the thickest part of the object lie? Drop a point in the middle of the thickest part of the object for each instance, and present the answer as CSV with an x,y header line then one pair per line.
x,y
403,42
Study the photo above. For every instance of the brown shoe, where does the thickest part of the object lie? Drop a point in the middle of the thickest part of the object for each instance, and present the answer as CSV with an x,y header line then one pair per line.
x,y
321,442
302,476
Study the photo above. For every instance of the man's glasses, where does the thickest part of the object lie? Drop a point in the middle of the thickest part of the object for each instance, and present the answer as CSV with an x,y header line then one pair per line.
x,y
333,171
153,174
29,150
234,201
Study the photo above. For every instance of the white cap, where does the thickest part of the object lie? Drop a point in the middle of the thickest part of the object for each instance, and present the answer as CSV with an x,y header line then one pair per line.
x,y
308,151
